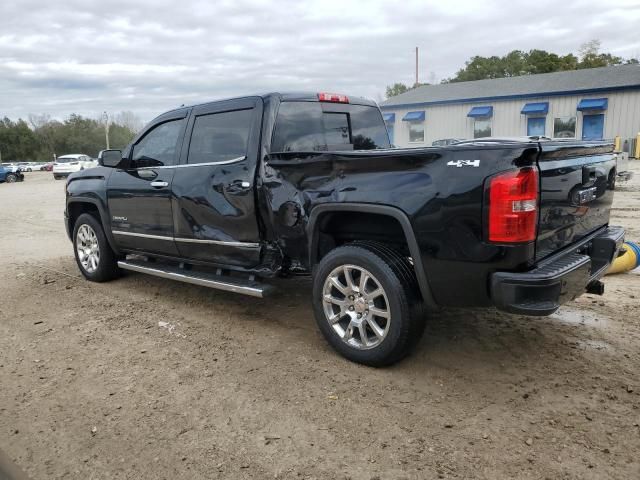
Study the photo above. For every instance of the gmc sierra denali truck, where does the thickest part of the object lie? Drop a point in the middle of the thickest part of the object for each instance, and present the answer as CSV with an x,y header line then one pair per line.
x,y
229,193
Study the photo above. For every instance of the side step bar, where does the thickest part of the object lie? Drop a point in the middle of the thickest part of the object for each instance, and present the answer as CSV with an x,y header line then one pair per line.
x,y
220,282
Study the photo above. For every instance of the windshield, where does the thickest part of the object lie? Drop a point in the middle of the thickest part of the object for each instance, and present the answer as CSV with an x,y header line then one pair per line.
x,y
315,126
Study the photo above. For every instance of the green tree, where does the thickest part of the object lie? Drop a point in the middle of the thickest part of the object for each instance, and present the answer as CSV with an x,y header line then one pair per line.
x,y
17,141
396,89
533,62
590,56
42,137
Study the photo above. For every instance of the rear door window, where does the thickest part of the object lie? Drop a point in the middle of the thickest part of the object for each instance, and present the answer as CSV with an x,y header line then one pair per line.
x,y
218,137
313,126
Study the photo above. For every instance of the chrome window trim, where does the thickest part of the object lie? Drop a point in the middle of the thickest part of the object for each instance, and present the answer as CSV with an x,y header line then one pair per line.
x,y
188,240
186,165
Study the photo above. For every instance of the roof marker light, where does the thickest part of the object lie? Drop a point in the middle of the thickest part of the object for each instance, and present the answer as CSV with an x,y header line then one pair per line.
x,y
333,97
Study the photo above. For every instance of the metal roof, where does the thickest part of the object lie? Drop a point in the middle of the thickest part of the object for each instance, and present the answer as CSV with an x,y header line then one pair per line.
x,y
590,80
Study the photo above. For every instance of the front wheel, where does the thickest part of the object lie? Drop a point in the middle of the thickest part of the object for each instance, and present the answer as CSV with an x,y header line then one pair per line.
x,y
11,178
363,296
94,256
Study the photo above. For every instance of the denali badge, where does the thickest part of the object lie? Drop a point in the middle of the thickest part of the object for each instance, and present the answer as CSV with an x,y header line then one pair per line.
x,y
464,163
120,219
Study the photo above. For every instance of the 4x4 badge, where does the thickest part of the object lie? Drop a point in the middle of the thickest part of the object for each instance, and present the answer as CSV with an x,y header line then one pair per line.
x,y
464,163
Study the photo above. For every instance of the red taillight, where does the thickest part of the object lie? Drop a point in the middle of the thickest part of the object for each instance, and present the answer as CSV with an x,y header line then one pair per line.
x,y
333,97
513,206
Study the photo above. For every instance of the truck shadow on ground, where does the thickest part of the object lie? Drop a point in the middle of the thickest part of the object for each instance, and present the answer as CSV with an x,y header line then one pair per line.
x,y
469,337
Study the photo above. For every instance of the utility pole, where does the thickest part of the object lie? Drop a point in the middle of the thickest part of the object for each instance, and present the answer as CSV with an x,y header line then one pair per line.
x,y
416,67
105,117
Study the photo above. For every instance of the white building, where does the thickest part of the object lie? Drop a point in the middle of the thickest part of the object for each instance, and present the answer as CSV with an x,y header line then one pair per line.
x,y
594,103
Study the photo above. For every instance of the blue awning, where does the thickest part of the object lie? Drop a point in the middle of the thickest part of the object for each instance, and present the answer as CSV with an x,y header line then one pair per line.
x,y
389,117
535,108
593,104
480,112
414,116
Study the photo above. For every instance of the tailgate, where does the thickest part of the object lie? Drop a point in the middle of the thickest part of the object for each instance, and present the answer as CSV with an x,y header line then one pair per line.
x,y
576,192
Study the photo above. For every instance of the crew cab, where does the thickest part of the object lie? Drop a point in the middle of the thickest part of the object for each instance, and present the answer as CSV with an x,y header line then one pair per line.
x,y
230,193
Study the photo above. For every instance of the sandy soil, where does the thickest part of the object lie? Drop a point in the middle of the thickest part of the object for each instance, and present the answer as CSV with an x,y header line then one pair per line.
x,y
146,378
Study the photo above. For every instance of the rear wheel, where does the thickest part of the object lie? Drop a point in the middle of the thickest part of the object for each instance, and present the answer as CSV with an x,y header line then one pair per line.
x,y
363,297
11,178
94,256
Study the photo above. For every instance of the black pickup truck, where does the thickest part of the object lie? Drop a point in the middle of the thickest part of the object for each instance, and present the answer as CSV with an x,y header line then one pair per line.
x,y
229,193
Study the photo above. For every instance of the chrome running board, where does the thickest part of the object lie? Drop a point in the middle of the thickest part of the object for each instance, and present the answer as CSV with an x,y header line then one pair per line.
x,y
220,282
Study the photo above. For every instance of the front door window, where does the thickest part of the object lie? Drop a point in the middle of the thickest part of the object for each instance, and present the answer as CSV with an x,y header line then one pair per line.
x,y
158,147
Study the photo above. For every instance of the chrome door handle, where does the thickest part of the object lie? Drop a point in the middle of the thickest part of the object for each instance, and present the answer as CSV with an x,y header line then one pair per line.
x,y
159,184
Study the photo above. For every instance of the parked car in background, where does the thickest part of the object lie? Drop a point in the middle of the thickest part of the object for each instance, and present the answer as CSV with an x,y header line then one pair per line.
x,y
12,166
25,166
68,164
10,174
47,167
446,141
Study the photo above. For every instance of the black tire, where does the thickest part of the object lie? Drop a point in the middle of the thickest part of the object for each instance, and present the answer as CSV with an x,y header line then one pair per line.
x,y
56,177
107,267
394,274
11,178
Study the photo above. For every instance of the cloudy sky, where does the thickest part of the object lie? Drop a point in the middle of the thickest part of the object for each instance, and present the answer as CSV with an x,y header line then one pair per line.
x,y
147,56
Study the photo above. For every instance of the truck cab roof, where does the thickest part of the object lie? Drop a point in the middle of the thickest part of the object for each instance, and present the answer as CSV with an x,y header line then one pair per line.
x,y
283,97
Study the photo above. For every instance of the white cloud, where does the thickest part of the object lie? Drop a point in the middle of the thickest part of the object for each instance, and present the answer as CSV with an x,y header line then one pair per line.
x,y
148,56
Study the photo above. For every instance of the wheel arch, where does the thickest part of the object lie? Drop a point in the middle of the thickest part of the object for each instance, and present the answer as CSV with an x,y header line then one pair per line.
x,y
313,234
76,206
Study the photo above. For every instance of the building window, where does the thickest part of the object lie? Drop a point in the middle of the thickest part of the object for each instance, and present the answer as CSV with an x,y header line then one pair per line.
x,y
482,127
564,127
416,131
535,126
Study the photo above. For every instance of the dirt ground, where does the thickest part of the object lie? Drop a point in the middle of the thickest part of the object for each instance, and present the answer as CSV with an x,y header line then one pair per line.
x,y
143,378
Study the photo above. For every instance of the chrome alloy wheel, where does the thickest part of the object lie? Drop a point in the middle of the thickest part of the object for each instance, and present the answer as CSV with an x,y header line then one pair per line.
x,y
356,307
88,248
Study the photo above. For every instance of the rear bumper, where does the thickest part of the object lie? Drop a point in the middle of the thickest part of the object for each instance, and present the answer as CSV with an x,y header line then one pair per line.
x,y
558,279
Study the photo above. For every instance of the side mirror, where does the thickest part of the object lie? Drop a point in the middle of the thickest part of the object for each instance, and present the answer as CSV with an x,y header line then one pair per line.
x,y
109,158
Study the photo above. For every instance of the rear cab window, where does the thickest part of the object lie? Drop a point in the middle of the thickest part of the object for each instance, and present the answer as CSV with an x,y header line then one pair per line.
x,y
315,126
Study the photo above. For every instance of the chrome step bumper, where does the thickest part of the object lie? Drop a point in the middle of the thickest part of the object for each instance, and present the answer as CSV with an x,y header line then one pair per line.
x,y
220,282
